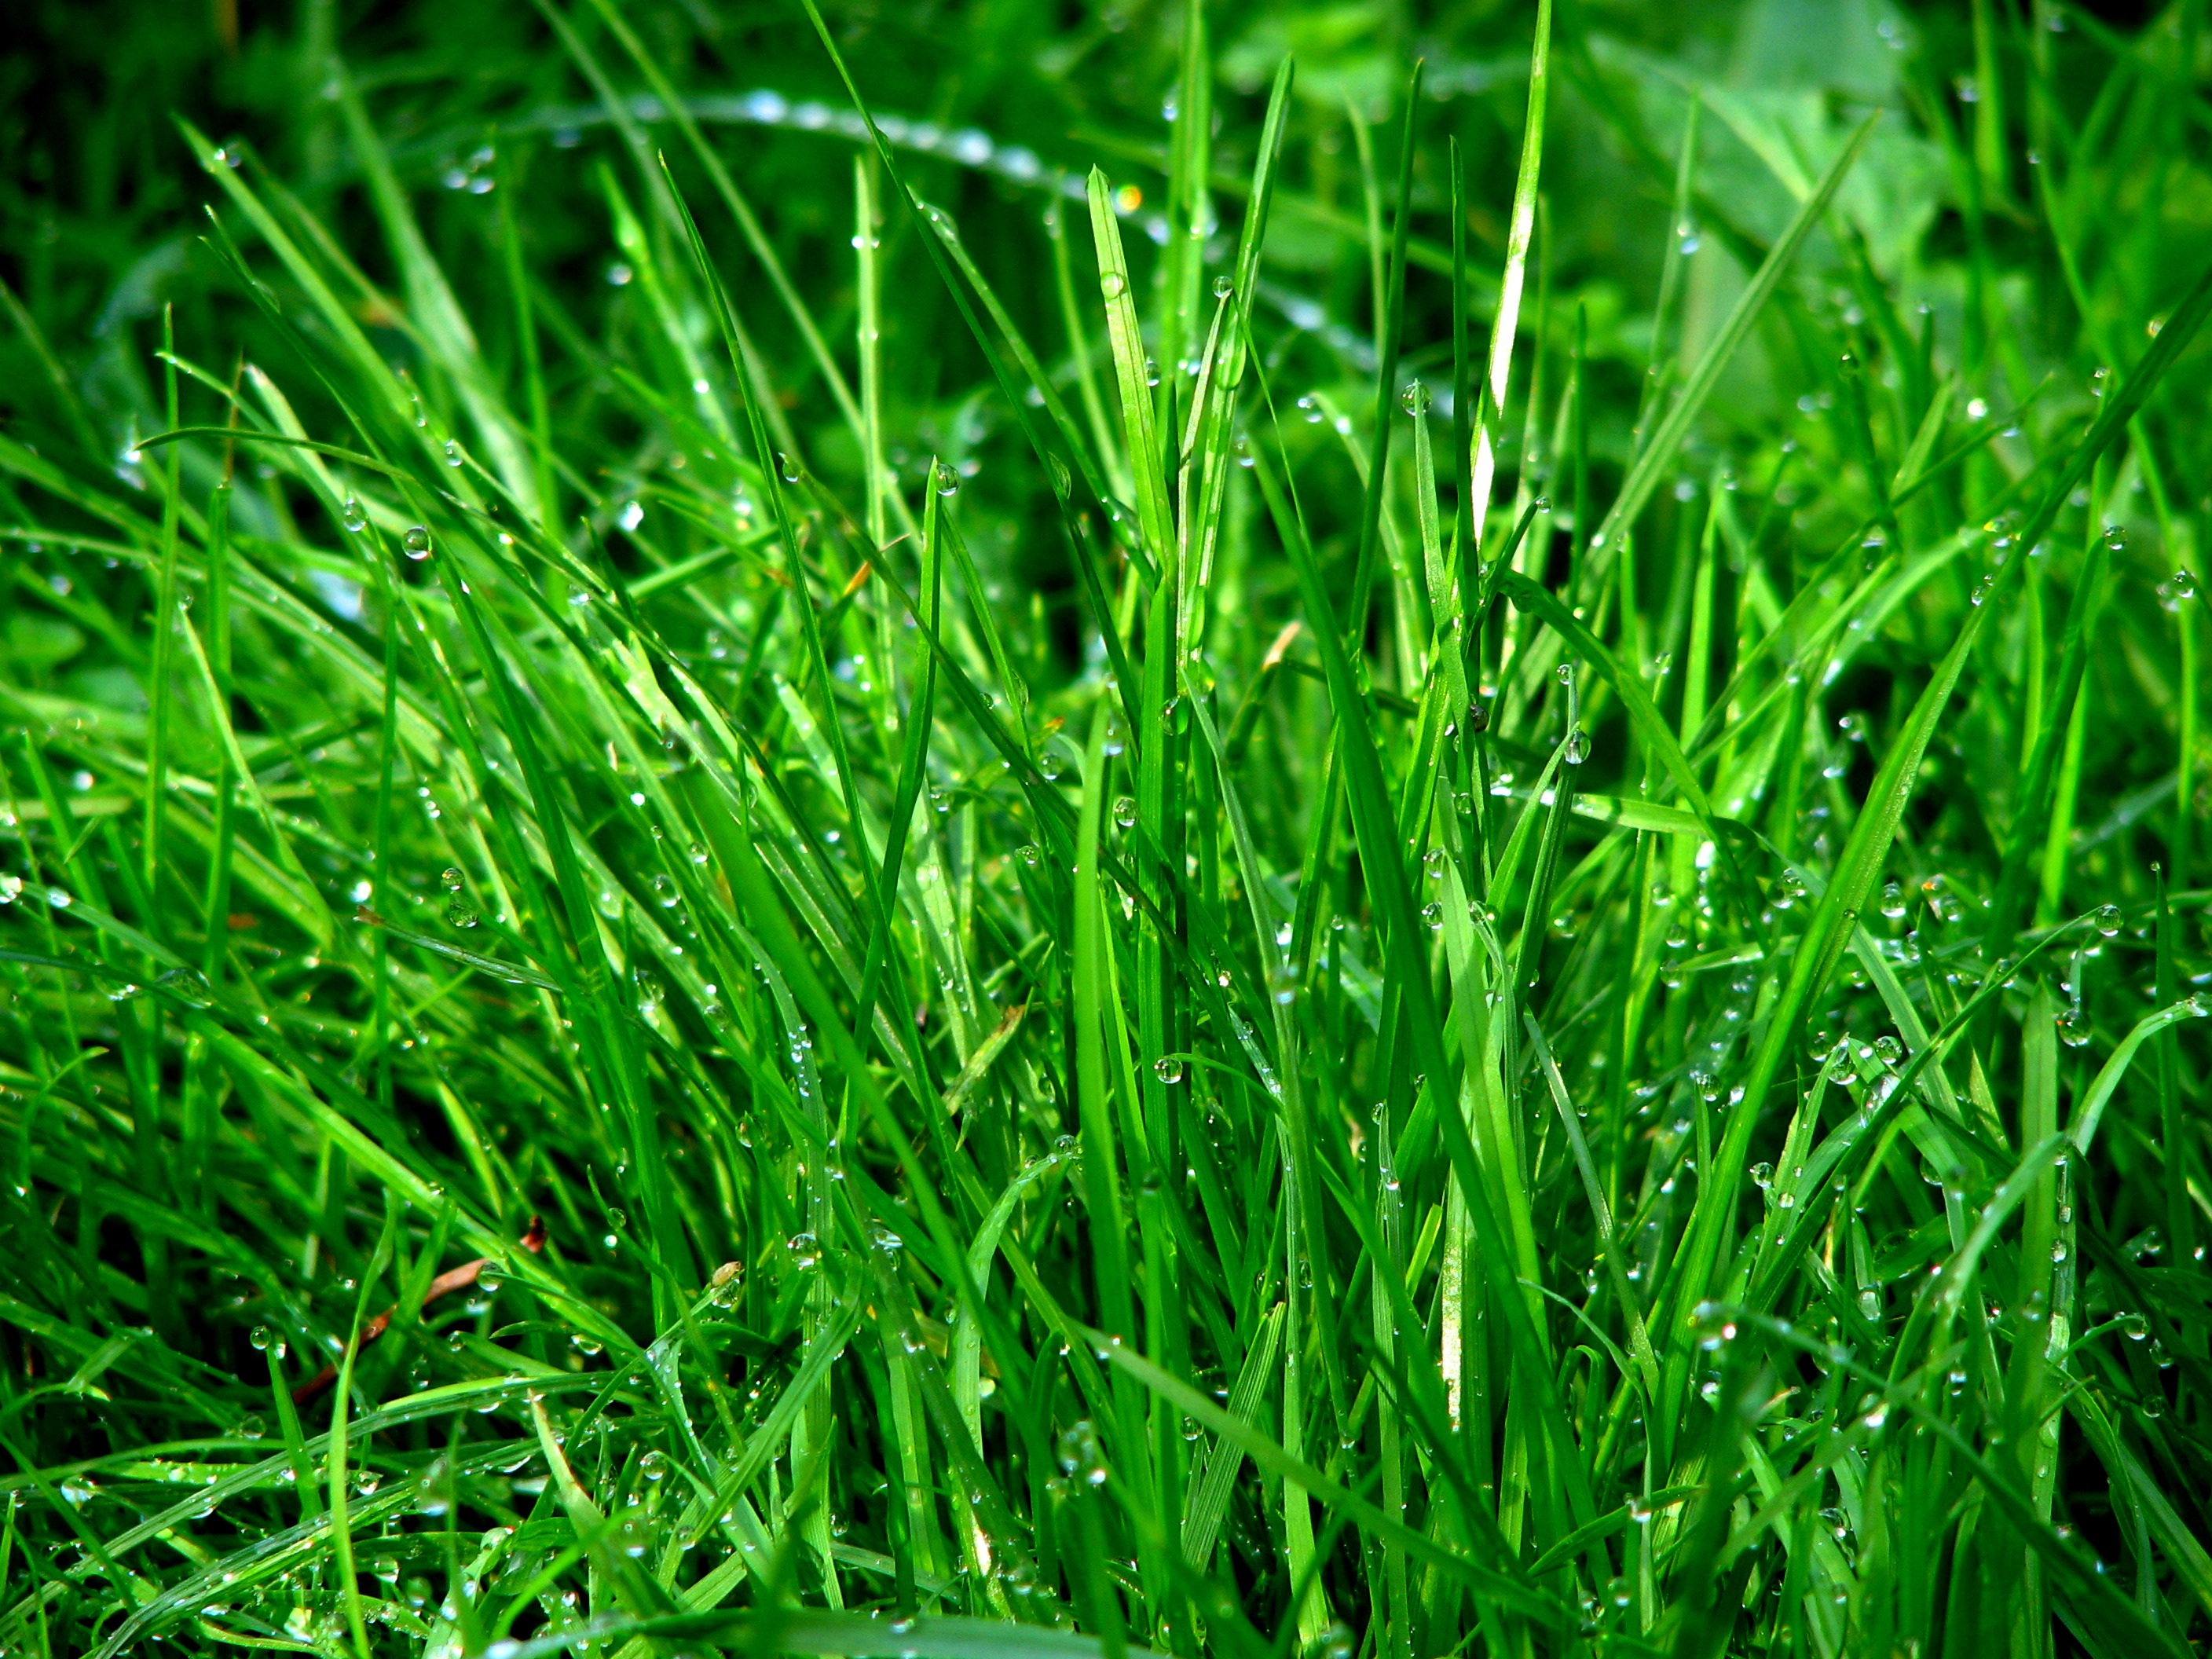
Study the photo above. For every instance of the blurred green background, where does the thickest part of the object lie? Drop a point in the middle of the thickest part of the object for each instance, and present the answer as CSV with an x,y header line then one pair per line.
x,y
99,203
487,115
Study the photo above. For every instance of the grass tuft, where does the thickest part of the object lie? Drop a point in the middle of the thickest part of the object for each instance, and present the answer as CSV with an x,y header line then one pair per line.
x,y
1412,875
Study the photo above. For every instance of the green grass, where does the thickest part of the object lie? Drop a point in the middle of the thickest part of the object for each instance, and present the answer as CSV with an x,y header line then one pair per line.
x,y
740,916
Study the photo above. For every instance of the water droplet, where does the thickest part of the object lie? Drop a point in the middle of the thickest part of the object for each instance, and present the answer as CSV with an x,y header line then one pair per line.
x,y
1081,1456
453,454
1416,398
1577,749
188,985
1224,286
416,544
352,517
1125,812
2107,919
663,893
1168,1068
1113,284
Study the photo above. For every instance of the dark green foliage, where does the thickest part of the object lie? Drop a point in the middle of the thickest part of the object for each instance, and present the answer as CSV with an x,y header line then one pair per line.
x,y
1417,875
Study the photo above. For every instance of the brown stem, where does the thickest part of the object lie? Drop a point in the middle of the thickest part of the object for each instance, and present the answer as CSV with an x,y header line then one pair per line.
x,y
453,1278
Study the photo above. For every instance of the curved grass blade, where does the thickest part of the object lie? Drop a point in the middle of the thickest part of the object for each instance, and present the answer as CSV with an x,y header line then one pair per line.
x,y
1659,453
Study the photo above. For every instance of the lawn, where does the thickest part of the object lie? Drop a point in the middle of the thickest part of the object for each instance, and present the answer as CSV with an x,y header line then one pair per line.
x,y
1271,831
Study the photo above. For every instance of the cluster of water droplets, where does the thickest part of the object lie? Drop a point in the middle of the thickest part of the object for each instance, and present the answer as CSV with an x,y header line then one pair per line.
x,y
460,912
